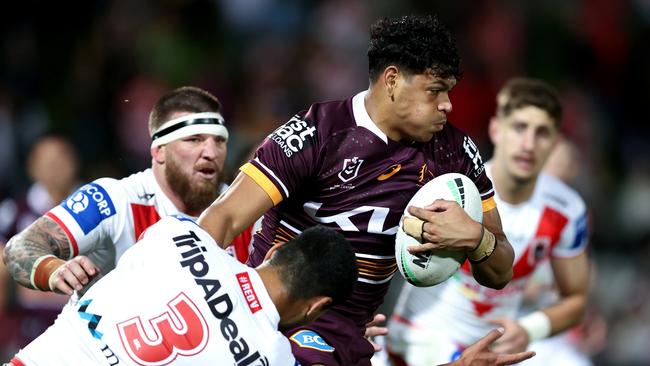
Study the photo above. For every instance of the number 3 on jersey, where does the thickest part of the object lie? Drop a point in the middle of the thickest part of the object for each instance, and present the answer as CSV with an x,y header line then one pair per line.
x,y
180,331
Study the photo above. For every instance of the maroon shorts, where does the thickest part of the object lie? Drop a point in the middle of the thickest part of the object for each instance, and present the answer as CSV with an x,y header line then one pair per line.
x,y
331,340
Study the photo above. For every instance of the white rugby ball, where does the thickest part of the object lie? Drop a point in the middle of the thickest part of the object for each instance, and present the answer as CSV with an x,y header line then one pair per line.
x,y
436,266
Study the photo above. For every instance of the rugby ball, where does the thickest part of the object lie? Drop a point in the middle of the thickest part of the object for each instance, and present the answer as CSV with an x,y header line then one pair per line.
x,y
436,266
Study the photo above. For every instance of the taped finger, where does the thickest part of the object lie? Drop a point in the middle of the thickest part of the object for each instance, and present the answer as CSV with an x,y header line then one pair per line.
x,y
414,227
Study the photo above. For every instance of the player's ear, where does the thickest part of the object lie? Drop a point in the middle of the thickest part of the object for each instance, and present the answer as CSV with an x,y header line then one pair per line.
x,y
158,154
493,129
390,80
271,251
318,305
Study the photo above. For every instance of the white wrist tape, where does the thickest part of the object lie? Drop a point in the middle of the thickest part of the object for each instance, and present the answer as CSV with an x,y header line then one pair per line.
x,y
537,325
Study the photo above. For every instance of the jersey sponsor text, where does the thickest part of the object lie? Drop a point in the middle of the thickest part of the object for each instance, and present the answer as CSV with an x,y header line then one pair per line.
x,y
293,136
220,304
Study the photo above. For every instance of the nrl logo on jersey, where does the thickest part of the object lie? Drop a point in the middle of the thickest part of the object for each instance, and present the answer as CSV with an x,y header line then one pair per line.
x,y
350,169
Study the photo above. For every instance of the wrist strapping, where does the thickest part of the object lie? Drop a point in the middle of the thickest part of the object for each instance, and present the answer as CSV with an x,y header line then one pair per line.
x,y
42,271
537,325
485,247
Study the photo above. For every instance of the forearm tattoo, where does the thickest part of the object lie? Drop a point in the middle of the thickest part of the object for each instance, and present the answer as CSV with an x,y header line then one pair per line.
x,y
42,237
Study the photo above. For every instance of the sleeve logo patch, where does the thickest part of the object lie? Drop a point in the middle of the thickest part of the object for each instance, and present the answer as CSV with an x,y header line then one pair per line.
x,y
582,232
310,339
89,206
294,135
472,151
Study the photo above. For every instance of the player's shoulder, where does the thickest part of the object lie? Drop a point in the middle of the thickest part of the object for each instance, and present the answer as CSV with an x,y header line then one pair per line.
x,y
173,223
131,182
139,186
451,135
560,195
103,190
141,179
179,228
330,116
311,128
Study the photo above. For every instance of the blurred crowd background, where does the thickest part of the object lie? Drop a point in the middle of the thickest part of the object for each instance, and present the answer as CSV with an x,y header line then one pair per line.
x,y
89,72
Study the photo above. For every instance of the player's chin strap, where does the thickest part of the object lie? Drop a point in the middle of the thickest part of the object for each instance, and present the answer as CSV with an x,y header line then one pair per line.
x,y
209,123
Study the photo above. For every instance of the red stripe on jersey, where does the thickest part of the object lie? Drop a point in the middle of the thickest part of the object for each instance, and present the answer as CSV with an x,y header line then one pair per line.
x,y
143,217
549,228
16,362
249,292
241,243
71,239
480,308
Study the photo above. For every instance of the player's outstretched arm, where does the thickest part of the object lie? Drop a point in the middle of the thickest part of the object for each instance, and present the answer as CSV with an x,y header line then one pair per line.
x,y
479,354
235,210
572,278
34,259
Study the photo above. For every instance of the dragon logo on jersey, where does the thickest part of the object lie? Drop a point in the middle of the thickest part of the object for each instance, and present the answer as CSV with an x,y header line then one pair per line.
x,y
294,135
472,151
350,169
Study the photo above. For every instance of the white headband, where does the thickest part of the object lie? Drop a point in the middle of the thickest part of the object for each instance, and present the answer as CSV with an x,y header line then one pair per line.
x,y
209,123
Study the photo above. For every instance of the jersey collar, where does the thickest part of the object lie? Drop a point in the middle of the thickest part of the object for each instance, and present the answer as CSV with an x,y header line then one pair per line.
x,y
362,118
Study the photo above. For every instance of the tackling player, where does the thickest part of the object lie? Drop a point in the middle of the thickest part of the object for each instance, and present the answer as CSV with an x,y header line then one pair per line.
x,y
89,231
211,309
353,165
176,297
542,217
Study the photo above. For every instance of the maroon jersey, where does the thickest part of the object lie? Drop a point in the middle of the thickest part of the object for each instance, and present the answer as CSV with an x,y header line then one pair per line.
x,y
332,166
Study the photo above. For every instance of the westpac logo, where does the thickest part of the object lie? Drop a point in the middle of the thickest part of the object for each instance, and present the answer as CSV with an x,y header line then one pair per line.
x,y
294,135
350,169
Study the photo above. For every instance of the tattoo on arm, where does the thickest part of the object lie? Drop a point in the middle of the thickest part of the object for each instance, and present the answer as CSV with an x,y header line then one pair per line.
x,y
42,237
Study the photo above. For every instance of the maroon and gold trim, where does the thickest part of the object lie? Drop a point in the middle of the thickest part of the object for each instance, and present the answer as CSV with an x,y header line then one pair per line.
x,y
263,181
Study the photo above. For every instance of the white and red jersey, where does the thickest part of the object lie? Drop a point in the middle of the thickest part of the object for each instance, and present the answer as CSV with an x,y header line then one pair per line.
x,y
174,298
552,223
102,219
